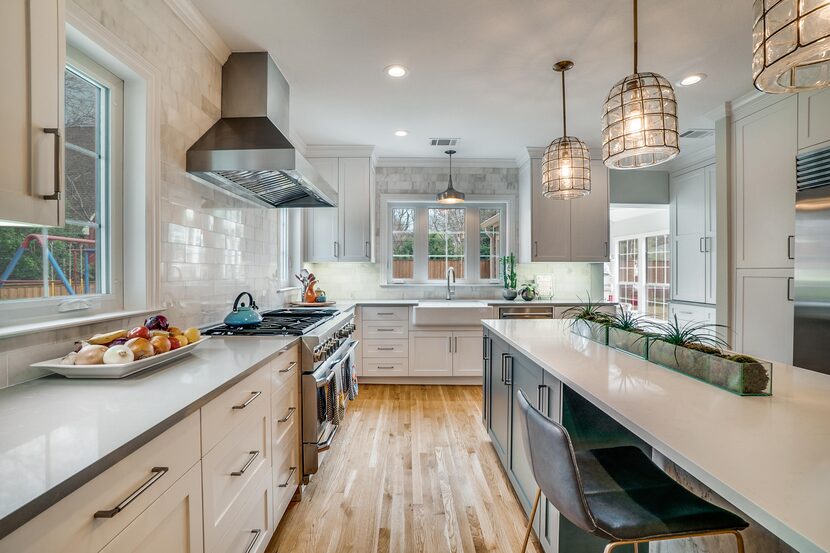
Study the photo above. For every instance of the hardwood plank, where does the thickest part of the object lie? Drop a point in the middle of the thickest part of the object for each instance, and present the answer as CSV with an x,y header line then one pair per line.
x,y
412,471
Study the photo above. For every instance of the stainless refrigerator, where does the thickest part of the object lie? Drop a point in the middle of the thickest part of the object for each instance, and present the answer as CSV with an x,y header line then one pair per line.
x,y
811,340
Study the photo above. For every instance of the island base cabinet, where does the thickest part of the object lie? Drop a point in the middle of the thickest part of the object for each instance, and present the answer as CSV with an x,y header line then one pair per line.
x,y
172,524
499,401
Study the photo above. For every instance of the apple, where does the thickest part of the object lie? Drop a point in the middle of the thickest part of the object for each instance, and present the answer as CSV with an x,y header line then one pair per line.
x,y
139,332
161,344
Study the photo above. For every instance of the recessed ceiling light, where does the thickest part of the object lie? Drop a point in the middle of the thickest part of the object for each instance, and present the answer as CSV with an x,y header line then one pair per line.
x,y
401,132
694,78
396,71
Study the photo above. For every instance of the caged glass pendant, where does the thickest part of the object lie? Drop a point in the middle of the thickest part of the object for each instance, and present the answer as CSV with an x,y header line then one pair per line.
x,y
790,45
566,165
639,120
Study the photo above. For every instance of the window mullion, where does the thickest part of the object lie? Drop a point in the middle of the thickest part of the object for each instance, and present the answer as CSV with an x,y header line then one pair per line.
x,y
420,273
472,244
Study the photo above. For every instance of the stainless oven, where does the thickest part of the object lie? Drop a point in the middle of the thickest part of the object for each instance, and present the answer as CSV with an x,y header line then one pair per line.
x,y
526,312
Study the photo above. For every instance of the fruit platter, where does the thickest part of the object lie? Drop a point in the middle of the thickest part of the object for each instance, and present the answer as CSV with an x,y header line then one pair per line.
x,y
123,352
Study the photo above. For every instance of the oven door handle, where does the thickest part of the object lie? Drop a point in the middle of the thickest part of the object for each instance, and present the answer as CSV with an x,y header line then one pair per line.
x,y
326,444
346,353
326,380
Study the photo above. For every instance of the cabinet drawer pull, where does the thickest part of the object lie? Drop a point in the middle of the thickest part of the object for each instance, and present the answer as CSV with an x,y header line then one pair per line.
x,y
385,366
240,472
292,470
385,349
56,132
289,368
254,395
386,314
158,472
256,533
288,415
385,330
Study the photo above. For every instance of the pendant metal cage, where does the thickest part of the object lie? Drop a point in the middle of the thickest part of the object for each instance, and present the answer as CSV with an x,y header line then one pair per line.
x,y
566,169
639,122
790,45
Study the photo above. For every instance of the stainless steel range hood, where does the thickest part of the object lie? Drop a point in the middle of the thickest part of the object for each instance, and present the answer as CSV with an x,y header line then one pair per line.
x,y
247,151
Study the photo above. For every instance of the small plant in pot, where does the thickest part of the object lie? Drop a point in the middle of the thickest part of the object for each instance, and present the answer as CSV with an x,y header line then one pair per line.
x,y
508,273
626,332
589,321
528,291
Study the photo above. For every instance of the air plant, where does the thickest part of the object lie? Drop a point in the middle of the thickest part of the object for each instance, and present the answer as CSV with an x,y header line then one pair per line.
x,y
626,320
692,335
588,311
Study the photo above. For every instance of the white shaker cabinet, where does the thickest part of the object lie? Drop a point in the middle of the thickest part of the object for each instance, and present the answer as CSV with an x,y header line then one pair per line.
x,y
343,233
813,118
589,219
765,145
764,311
31,108
445,353
550,222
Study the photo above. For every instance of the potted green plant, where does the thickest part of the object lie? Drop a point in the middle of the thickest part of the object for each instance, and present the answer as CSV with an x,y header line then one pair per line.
x,y
627,332
695,349
589,321
528,291
508,273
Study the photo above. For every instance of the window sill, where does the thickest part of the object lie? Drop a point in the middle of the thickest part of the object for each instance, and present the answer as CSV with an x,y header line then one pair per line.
x,y
438,285
46,326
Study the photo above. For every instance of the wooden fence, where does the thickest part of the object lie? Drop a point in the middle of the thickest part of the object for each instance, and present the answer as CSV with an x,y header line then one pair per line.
x,y
436,268
25,289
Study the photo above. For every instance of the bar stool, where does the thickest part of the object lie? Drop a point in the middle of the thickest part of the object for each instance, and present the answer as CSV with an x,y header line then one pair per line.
x,y
616,493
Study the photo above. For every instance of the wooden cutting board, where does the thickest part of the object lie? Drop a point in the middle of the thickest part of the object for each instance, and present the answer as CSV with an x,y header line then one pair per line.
x,y
312,304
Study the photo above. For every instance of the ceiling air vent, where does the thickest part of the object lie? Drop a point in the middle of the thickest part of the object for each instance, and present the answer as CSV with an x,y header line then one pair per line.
x,y
697,133
444,142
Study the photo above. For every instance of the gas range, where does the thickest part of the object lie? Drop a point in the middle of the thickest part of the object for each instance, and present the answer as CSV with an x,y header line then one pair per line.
x,y
279,322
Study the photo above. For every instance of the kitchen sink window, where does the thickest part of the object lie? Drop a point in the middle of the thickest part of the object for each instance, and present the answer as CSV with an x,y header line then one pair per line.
x,y
642,274
48,269
424,240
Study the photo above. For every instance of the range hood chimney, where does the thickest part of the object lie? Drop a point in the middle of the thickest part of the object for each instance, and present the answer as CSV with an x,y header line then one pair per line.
x,y
247,152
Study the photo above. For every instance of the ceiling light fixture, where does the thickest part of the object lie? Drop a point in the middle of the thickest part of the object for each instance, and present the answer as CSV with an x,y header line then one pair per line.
x,y
450,195
401,133
396,71
790,45
639,119
689,80
566,165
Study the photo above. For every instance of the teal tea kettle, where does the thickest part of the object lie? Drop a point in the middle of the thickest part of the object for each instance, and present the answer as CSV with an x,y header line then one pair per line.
x,y
243,315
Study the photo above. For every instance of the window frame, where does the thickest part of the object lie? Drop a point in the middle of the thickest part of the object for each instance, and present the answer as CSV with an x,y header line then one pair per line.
x,y
421,203
642,283
111,263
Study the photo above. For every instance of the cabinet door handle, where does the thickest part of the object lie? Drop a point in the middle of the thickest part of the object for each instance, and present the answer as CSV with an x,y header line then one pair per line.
x,y
791,247
700,244
368,250
539,393
158,472
607,252
449,343
546,400
56,132
240,472
484,354
455,344
288,415
503,367
289,368
255,533
336,249
790,281
248,401
509,380
535,248
291,472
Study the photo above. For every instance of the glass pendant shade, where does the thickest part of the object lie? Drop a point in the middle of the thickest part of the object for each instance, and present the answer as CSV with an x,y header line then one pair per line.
x,y
790,45
639,122
566,169
450,195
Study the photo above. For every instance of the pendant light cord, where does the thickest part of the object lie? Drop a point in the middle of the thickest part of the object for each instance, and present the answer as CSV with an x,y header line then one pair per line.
x,y
635,36
564,113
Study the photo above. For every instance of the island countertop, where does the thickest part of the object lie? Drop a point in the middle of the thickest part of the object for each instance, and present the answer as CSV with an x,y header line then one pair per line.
x,y
57,434
768,456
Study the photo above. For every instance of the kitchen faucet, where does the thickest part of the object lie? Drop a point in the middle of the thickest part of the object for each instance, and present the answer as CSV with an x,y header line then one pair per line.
x,y
450,287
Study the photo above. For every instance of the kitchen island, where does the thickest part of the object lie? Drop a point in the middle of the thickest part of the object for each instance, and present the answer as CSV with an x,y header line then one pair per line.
x,y
767,456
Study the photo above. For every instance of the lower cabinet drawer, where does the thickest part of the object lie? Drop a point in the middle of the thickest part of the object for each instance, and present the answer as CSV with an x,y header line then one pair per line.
x,y
385,367
286,367
284,411
286,477
385,329
222,415
89,518
229,468
386,348
250,519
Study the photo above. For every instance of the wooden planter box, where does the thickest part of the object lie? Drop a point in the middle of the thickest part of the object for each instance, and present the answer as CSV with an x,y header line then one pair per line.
x,y
593,331
635,343
746,379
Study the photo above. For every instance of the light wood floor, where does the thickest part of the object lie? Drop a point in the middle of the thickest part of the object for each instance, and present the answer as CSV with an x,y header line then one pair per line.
x,y
412,470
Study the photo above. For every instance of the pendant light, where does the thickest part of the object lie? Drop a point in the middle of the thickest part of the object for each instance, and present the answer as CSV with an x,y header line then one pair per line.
x,y
790,45
450,195
639,119
566,166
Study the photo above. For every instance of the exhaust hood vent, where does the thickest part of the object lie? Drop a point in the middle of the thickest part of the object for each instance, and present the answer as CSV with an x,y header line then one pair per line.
x,y
697,133
247,151
444,142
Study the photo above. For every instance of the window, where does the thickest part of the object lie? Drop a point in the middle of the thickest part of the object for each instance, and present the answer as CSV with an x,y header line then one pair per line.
x,y
52,265
425,239
643,271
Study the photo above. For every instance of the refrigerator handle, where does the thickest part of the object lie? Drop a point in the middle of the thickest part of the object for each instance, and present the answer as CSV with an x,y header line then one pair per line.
x,y
790,247
790,281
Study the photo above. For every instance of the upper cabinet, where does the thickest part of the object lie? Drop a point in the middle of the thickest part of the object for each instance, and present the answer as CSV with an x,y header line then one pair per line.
x,y
693,218
813,118
562,230
343,233
765,145
31,108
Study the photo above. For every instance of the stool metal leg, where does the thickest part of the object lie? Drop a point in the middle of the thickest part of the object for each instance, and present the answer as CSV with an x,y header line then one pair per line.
x,y
738,539
530,520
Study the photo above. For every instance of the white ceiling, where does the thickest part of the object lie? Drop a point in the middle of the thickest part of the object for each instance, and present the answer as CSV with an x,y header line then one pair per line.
x,y
481,69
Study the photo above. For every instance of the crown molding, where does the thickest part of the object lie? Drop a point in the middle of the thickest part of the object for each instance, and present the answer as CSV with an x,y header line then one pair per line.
x,y
199,26
335,150
470,162
683,163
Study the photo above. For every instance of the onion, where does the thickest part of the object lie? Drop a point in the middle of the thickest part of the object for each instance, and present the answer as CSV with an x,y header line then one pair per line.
x,y
118,355
91,355
69,359
141,348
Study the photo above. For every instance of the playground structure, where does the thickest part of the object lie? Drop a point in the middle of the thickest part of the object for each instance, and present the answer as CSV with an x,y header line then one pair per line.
x,y
82,258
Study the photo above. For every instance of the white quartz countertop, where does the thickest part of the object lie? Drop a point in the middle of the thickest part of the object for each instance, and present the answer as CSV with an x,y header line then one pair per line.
x,y
56,434
768,456
491,301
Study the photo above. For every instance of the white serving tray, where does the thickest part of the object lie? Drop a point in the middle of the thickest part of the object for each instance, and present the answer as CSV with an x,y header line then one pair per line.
x,y
120,370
